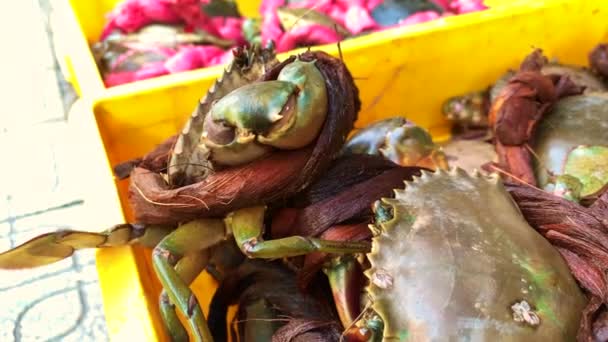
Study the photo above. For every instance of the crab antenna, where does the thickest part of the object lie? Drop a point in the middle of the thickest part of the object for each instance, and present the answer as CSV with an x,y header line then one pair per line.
x,y
338,43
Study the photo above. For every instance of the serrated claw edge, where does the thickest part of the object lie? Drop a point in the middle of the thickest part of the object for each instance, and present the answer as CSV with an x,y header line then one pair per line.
x,y
247,66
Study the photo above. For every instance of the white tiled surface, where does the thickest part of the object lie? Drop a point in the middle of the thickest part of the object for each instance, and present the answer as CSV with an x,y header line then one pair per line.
x,y
39,190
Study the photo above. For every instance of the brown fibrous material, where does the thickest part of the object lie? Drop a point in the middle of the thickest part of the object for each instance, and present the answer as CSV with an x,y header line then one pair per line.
x,y
578,231
580,234
306,330
338,206
254,280
518,109
598,59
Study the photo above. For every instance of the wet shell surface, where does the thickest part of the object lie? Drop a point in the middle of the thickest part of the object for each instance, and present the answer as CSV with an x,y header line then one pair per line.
x,y
469,155
458,262
574,121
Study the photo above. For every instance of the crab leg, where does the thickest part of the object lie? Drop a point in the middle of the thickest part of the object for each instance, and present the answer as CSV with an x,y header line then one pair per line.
x,y
188,268
344,274
247,225
188,239
52,247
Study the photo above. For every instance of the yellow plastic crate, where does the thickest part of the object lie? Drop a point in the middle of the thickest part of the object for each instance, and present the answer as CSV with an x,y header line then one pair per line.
x,y
81,21
408,73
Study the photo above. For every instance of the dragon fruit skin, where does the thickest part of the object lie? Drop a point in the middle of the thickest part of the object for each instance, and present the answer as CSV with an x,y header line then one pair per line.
x,y
271,27
127,17
307,35
159,11
467,6
193,57
229,28
186,58
445,4
132,15
357,19
354,15
150,70
323,6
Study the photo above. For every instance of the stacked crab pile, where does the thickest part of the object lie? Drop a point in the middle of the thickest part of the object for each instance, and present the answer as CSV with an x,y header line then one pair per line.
x,y
381,236
547,122
149,38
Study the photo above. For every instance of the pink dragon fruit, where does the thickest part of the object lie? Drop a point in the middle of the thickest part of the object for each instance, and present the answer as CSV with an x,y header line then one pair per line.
x,y
357,19
193,57
466,6
149,70
229,28
159,11
445,4
353,15
271,27
307,35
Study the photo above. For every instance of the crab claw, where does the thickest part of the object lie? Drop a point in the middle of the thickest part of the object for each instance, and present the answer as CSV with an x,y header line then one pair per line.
x,y
399,141
287,113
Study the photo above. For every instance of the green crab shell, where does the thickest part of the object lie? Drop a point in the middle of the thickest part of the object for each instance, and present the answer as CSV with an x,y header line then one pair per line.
x,y
457,261
574,121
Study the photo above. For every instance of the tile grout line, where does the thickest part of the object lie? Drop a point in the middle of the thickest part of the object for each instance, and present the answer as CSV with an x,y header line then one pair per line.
x,y
15,212
43,211
17,328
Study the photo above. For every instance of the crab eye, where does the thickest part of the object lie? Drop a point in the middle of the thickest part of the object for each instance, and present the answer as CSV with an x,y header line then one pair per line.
x,y
382,212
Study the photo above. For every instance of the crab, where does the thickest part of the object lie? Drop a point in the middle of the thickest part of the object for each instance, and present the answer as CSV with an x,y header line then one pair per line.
x,y
251,120
259,106
550,124
441,271
551,142
407,144
398,140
